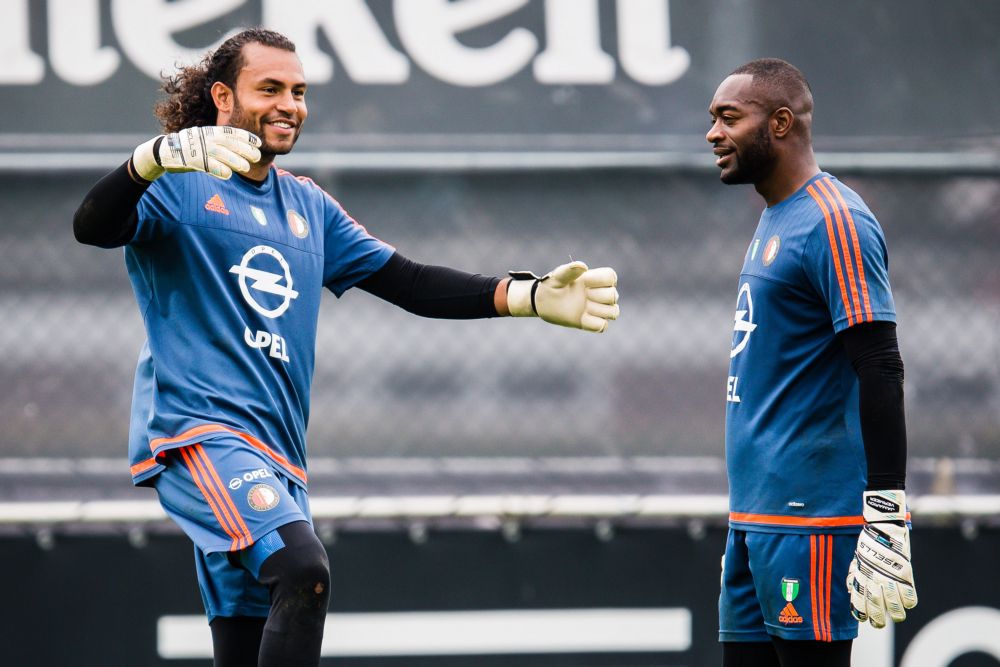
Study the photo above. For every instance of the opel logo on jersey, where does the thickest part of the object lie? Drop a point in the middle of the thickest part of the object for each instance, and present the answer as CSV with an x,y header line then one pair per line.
x,y
743,324
259,280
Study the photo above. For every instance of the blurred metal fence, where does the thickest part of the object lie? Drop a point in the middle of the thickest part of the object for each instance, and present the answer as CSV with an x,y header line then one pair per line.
x,y
391,384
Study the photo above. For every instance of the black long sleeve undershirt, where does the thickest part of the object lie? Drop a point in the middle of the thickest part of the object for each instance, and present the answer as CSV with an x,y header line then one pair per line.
x,y
874,352
107,218
433,291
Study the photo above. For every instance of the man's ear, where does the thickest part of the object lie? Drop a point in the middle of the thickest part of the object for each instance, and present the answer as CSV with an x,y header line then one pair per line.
x,y
782,122
224,99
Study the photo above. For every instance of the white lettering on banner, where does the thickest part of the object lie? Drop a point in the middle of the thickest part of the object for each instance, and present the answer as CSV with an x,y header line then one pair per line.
x,y
644,43
75,43
352,30
427,29
145,30
573,45
262,339
20,64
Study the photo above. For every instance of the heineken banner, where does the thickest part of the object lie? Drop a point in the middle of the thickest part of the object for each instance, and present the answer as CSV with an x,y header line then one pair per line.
x,y
513,75
625,596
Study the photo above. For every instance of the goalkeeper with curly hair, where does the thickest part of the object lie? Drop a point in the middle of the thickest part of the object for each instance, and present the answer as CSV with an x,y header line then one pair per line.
x,y
228,256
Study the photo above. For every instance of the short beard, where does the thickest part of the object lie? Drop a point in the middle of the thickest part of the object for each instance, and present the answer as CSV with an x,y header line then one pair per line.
x,y
240,120
755,162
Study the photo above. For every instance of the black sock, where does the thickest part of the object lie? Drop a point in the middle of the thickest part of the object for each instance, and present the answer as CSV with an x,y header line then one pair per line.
x,y
749,654
813,653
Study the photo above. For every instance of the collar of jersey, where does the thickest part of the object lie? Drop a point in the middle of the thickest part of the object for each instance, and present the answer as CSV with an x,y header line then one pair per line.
x,y
801,192
253,188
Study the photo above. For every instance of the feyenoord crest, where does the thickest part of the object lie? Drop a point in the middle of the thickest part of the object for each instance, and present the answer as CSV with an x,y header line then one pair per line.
x,y
770,250
298,224
263,497
789,589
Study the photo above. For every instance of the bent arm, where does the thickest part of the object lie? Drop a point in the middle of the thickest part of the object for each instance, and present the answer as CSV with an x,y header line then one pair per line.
x,y
107,217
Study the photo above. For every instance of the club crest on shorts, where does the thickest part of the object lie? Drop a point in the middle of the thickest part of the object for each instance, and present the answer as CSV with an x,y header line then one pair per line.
x,y
298,224
789,588
789,591
770,250
263,497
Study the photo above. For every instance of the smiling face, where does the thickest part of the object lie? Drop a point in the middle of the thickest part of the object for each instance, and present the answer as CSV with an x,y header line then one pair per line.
x,y
269,99
740,132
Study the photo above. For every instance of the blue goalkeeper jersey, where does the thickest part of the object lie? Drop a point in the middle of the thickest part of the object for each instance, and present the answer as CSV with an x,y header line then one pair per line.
x,y
228,277
816,266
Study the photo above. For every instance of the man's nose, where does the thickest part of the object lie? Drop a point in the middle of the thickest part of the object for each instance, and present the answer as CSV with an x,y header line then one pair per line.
x,y
714,133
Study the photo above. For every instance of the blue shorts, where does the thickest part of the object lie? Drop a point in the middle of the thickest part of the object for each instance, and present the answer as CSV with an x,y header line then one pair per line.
x,y
229,498
788,585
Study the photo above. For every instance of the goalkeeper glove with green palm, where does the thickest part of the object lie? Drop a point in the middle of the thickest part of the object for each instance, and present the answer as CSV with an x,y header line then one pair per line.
x,y
216,150
880,579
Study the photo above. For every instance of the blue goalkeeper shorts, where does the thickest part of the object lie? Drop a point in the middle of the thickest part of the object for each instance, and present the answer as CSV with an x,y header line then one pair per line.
x,y
788,585
230,500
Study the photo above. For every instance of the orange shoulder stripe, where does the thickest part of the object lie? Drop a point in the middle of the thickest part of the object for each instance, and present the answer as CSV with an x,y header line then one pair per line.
x,y
835,252
857,252
848,262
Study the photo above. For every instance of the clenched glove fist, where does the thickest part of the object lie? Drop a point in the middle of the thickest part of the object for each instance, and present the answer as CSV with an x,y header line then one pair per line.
x,y
880,579
570,295
216,150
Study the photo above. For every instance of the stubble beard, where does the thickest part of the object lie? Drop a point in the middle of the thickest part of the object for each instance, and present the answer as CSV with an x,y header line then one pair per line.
x,y
267,149
754,162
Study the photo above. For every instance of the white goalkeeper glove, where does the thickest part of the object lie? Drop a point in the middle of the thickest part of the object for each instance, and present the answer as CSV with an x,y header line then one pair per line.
x,y
880,579
216,150
569,295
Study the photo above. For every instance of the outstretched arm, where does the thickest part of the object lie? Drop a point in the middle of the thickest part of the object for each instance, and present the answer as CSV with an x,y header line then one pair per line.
x,y
571,295
435,291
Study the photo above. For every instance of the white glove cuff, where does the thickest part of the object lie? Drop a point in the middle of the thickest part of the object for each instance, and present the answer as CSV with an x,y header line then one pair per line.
x,y
884,506
519,298
144,161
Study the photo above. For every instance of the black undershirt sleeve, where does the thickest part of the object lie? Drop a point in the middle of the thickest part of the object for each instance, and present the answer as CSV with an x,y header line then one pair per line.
x,y
433,291
874,352
107,218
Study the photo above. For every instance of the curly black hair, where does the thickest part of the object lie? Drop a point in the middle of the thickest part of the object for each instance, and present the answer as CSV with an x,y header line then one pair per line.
x,y
189,92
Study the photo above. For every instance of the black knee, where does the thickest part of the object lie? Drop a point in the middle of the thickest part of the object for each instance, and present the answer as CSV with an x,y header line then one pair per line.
x,y
298,576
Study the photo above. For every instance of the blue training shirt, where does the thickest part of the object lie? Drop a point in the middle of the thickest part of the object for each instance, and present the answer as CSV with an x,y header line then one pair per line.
x,y
816,266
228,277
